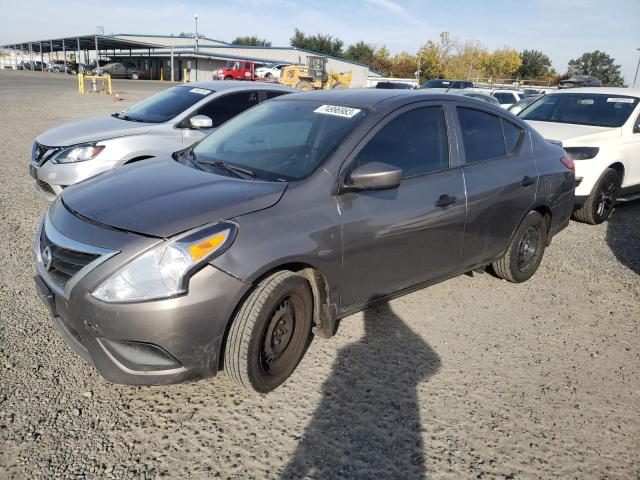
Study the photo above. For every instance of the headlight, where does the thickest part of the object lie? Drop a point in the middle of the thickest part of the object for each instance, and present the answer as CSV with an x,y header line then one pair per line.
x,y
79,153
581,153
165,270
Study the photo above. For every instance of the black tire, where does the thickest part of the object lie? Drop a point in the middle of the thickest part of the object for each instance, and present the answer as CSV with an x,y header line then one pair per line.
x,y
525,251
268,75
339,86
135,76
270,333
601,201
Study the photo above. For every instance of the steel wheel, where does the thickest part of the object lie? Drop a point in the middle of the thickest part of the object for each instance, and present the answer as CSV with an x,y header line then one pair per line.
x,y
528,248
281,337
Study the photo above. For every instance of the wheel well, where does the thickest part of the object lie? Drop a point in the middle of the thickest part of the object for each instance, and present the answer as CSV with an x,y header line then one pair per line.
x,y
546,213
324,322
618,167
137,159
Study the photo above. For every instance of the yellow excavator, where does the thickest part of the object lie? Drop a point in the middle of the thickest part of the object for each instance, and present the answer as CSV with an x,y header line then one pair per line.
x,y
314,76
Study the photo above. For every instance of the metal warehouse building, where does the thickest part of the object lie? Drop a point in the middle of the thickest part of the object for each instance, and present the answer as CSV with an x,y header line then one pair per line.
x,y
167,56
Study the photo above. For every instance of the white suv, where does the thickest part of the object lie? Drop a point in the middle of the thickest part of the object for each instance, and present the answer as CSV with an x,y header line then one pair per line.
x,y
507,97
600,130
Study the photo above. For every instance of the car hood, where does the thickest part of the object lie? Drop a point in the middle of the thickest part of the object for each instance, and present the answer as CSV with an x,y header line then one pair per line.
x,y
91,130
162,197
569,133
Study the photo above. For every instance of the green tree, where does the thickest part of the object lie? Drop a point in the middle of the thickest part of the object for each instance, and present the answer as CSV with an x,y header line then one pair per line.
x,y
430,61
535,64
600,65
361,52
382,61
252,41
319,42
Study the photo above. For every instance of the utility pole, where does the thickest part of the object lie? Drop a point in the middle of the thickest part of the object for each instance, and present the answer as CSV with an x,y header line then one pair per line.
x,y
637,68
196,17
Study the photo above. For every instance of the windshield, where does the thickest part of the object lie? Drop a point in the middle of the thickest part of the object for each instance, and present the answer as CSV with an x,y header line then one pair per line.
x,y
281,140
438,83
165,105
595,109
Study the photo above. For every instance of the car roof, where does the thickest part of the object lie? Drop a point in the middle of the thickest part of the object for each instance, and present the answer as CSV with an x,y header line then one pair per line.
x,y
370,97
629,92
220,85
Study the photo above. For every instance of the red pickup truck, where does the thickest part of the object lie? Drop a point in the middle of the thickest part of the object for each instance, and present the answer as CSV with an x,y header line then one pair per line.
x,y
236,70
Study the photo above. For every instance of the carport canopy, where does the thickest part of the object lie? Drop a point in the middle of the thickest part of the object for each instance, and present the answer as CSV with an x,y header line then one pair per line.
x,y
82,42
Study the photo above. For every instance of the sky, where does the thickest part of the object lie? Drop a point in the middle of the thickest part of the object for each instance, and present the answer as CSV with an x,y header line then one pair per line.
x,y
562,29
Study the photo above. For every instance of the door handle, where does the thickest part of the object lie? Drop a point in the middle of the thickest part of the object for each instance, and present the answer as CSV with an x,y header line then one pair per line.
x,y
527,180
445,200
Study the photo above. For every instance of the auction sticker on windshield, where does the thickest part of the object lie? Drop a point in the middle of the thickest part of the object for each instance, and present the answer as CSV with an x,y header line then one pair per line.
x,y
201,91
346,112
620,100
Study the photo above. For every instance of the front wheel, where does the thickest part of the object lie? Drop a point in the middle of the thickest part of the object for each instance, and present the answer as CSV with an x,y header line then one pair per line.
x,y
270,332
304,85
135,76
600,202
525,251
268,75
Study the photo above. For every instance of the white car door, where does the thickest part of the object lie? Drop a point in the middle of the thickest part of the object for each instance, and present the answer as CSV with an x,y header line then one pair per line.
x,y
630,146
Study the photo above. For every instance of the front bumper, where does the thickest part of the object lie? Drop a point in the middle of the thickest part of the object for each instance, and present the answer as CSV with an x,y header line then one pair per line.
x,y
50,179
144,343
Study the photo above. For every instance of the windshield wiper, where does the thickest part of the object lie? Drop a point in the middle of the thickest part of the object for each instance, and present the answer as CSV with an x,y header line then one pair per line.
x,y
236,170
122,116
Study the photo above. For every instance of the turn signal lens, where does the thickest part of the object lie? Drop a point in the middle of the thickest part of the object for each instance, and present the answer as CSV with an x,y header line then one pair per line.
x,y
207,246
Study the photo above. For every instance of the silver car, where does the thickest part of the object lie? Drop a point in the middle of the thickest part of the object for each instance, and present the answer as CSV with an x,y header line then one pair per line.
x,y
164,123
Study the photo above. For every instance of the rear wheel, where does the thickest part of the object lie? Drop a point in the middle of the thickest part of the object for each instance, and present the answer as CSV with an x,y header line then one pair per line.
x,y
339,86
304,85
270,332
600,202
525,251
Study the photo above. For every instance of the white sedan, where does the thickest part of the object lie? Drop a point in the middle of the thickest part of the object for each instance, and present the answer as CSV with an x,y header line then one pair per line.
x,y
271,70
600,130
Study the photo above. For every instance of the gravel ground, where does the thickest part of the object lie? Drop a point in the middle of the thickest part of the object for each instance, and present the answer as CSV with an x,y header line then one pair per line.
x,y
474,377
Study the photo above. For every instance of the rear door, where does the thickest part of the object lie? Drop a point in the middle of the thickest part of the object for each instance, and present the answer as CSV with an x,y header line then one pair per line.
x,y
500,178
394,239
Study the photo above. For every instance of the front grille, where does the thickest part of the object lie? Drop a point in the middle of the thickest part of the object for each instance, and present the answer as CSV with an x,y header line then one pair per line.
x,y
64,263
45,187
41,153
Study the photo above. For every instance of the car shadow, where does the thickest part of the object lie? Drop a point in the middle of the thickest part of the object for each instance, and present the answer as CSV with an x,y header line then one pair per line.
x,y
623,235
367,425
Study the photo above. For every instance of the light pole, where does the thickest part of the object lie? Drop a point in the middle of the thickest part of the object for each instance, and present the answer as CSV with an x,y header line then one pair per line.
x,y
637,68
196,17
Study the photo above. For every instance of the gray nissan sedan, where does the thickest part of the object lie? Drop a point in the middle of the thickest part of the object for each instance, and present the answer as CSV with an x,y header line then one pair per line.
x,y
307,208
168,121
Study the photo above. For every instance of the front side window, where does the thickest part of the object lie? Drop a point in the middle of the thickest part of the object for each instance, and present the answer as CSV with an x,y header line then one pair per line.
x,y
221,109
279,140
415,141
597,109
165,105
481,135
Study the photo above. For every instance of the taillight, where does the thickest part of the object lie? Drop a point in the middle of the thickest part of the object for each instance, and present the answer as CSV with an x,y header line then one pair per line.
x,y
567,162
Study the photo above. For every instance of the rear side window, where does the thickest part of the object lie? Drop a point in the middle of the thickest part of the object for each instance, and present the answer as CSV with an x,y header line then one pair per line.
x,y
415,141
224,108
512,135
481,135
505,97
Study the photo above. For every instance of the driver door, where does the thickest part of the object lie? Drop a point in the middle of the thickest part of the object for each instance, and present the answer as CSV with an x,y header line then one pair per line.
x,y
394,239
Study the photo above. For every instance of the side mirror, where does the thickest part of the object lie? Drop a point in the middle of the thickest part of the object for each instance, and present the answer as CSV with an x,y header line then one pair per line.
x,y
201,121
374,176
636,127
